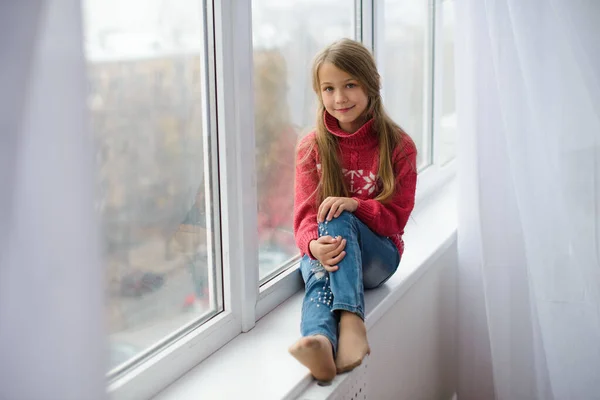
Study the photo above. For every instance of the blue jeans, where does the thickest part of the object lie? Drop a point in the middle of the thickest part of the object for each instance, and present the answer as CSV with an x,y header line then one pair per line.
x,y
369,262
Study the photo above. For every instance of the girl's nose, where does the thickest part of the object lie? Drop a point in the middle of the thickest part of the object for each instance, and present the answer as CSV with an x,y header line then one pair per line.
x,y
341,98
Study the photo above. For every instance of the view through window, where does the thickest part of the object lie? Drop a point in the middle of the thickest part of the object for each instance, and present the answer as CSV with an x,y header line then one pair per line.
x,y
405,69
154,186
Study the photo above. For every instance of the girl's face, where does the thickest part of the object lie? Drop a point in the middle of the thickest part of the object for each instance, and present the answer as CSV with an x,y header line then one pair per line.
x,y
343,97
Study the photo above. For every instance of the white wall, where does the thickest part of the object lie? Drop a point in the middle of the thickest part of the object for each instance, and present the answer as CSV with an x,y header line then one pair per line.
x,y
413,351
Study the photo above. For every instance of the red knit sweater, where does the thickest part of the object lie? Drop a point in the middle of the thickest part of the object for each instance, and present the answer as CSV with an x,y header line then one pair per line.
x,y
360,161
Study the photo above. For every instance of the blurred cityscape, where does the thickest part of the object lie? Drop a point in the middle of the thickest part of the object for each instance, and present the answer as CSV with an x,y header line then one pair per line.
x,y
147,121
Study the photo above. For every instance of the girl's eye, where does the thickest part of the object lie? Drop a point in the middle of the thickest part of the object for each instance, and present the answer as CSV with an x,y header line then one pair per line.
x,y
328,89
350,85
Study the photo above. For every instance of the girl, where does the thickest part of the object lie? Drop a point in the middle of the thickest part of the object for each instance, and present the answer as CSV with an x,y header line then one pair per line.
x,y
355,189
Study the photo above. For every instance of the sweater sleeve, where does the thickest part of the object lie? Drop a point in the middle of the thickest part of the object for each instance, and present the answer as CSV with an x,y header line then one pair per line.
x,y
306,185
390,218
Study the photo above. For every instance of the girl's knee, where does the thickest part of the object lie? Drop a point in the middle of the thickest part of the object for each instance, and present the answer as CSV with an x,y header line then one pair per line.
x,y
346,216
344,221
312,270
378,274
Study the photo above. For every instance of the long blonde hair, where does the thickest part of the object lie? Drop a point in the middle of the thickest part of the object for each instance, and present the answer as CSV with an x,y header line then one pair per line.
x,y
356,60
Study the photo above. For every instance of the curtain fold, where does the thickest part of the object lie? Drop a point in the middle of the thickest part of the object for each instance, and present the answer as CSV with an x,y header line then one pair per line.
x,y
52,341
529,120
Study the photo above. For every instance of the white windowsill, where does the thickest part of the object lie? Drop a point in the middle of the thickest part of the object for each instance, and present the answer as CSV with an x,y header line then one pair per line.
x,y
257,365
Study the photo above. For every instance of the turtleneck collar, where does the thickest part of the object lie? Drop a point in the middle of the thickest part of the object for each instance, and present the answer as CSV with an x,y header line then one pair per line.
x,y
365,135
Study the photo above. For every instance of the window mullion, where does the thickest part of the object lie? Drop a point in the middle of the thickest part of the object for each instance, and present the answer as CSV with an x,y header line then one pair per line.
x,y
365,23
378,29
438,77
429,87
233,32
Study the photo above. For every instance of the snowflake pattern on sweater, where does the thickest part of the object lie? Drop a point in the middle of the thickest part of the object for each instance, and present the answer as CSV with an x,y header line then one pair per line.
x,y
370,183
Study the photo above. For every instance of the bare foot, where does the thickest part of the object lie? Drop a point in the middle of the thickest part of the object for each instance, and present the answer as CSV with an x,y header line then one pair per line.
x,y
315,353
352,345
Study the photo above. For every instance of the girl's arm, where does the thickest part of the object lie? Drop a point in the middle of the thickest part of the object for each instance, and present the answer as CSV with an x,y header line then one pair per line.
x,y
390,218
306,183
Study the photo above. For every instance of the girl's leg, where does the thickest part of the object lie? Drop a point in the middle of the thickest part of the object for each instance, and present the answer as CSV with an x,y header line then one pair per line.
x,y
370,260
319,325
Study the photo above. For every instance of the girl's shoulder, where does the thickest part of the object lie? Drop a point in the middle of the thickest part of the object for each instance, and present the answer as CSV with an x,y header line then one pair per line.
x,y
404,157
308,139
307,144
406,145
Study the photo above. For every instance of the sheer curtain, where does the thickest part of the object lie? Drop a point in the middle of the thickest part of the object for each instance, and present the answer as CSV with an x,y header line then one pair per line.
x,y
528,84
51,311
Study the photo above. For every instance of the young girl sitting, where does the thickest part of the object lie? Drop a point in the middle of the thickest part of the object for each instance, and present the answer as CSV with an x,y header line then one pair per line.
x,y
355,189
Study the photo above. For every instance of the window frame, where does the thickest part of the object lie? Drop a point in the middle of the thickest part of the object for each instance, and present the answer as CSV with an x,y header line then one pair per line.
x,y
364,19
228,73
227,33
439,79
429,86
436,174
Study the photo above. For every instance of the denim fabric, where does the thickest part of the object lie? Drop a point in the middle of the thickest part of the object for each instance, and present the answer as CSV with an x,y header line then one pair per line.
x,y
369,262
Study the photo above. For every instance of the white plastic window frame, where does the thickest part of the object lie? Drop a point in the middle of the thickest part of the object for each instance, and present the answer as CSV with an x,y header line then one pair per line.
x,y
227,92
228,74
435,174
440,75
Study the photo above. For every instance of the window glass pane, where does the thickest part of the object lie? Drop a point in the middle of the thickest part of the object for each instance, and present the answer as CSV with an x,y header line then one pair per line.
x,y
146,107
286,36
404,69
447,131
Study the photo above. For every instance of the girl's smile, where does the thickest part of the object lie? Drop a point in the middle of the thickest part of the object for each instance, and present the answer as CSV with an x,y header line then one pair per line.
x,y
343,110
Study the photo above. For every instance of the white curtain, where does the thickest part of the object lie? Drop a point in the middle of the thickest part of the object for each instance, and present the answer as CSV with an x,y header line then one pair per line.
x,y
51,325
528,87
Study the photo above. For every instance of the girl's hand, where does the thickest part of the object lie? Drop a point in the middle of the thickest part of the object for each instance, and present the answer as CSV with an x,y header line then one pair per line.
x,y
332,207
329,251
